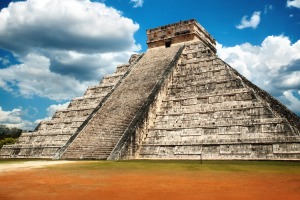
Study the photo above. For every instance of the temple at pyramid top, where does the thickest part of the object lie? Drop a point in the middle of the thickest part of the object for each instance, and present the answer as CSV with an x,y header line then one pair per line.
x,y
183,31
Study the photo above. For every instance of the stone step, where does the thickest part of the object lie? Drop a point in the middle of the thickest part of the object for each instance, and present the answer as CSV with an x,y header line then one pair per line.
x,y
120,109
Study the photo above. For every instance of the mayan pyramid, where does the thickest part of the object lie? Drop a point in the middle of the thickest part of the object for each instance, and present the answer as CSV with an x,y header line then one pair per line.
x,y
176,101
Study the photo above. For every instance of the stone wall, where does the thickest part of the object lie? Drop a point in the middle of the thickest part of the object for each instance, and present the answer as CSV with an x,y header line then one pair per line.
x,y
208,110
180,32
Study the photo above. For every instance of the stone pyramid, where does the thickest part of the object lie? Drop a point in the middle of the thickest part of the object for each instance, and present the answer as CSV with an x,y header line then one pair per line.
x,y
176,101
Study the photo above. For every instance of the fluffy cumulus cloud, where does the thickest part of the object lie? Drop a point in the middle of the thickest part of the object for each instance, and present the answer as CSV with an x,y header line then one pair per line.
x,y
14,118
250,23
137,3
292,100
33,77
293,3
69,25
274,66
53,108
63,46
10,117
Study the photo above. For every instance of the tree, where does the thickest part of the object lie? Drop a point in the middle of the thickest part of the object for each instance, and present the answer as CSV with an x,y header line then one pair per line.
x,y
8,135
3,130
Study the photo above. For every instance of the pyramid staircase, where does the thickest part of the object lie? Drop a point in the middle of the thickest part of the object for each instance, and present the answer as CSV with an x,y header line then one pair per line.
x,y
121,111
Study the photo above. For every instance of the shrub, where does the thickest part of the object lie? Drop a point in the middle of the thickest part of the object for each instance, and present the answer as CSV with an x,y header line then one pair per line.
x,y
6,132
7,141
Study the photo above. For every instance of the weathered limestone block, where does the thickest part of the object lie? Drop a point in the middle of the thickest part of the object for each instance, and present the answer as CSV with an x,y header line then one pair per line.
x,y
111,79
100,89
236,149
286,148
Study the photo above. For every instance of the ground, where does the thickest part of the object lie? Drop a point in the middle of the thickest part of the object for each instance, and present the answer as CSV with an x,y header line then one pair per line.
x,y
153,180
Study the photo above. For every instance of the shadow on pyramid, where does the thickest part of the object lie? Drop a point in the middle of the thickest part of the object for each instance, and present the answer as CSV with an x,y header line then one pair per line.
x,y
176,101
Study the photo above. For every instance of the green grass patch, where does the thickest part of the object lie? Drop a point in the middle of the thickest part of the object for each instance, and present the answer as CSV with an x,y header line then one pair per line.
x,y
172,166
184,166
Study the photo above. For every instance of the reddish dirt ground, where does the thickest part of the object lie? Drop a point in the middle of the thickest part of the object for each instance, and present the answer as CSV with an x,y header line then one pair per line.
x,y
51,183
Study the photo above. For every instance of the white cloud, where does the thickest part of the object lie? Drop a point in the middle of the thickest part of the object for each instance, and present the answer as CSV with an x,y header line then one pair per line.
x,y
252,23
86,67
5,86
53,108
137,3
274,65
71,25
63,46
13,118
34,78
293,3
293,102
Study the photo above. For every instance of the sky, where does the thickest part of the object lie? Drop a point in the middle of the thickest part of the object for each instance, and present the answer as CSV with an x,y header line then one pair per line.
x,y
52,50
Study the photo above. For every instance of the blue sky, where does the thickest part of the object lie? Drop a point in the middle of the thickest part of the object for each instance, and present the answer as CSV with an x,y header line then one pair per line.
x,y
52,50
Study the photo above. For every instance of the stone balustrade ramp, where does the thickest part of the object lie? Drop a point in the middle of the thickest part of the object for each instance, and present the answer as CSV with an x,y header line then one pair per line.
x,y
98,139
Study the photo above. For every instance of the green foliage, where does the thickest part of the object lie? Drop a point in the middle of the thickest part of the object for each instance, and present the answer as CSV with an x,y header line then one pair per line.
x,y
6,132
8,135
7,141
